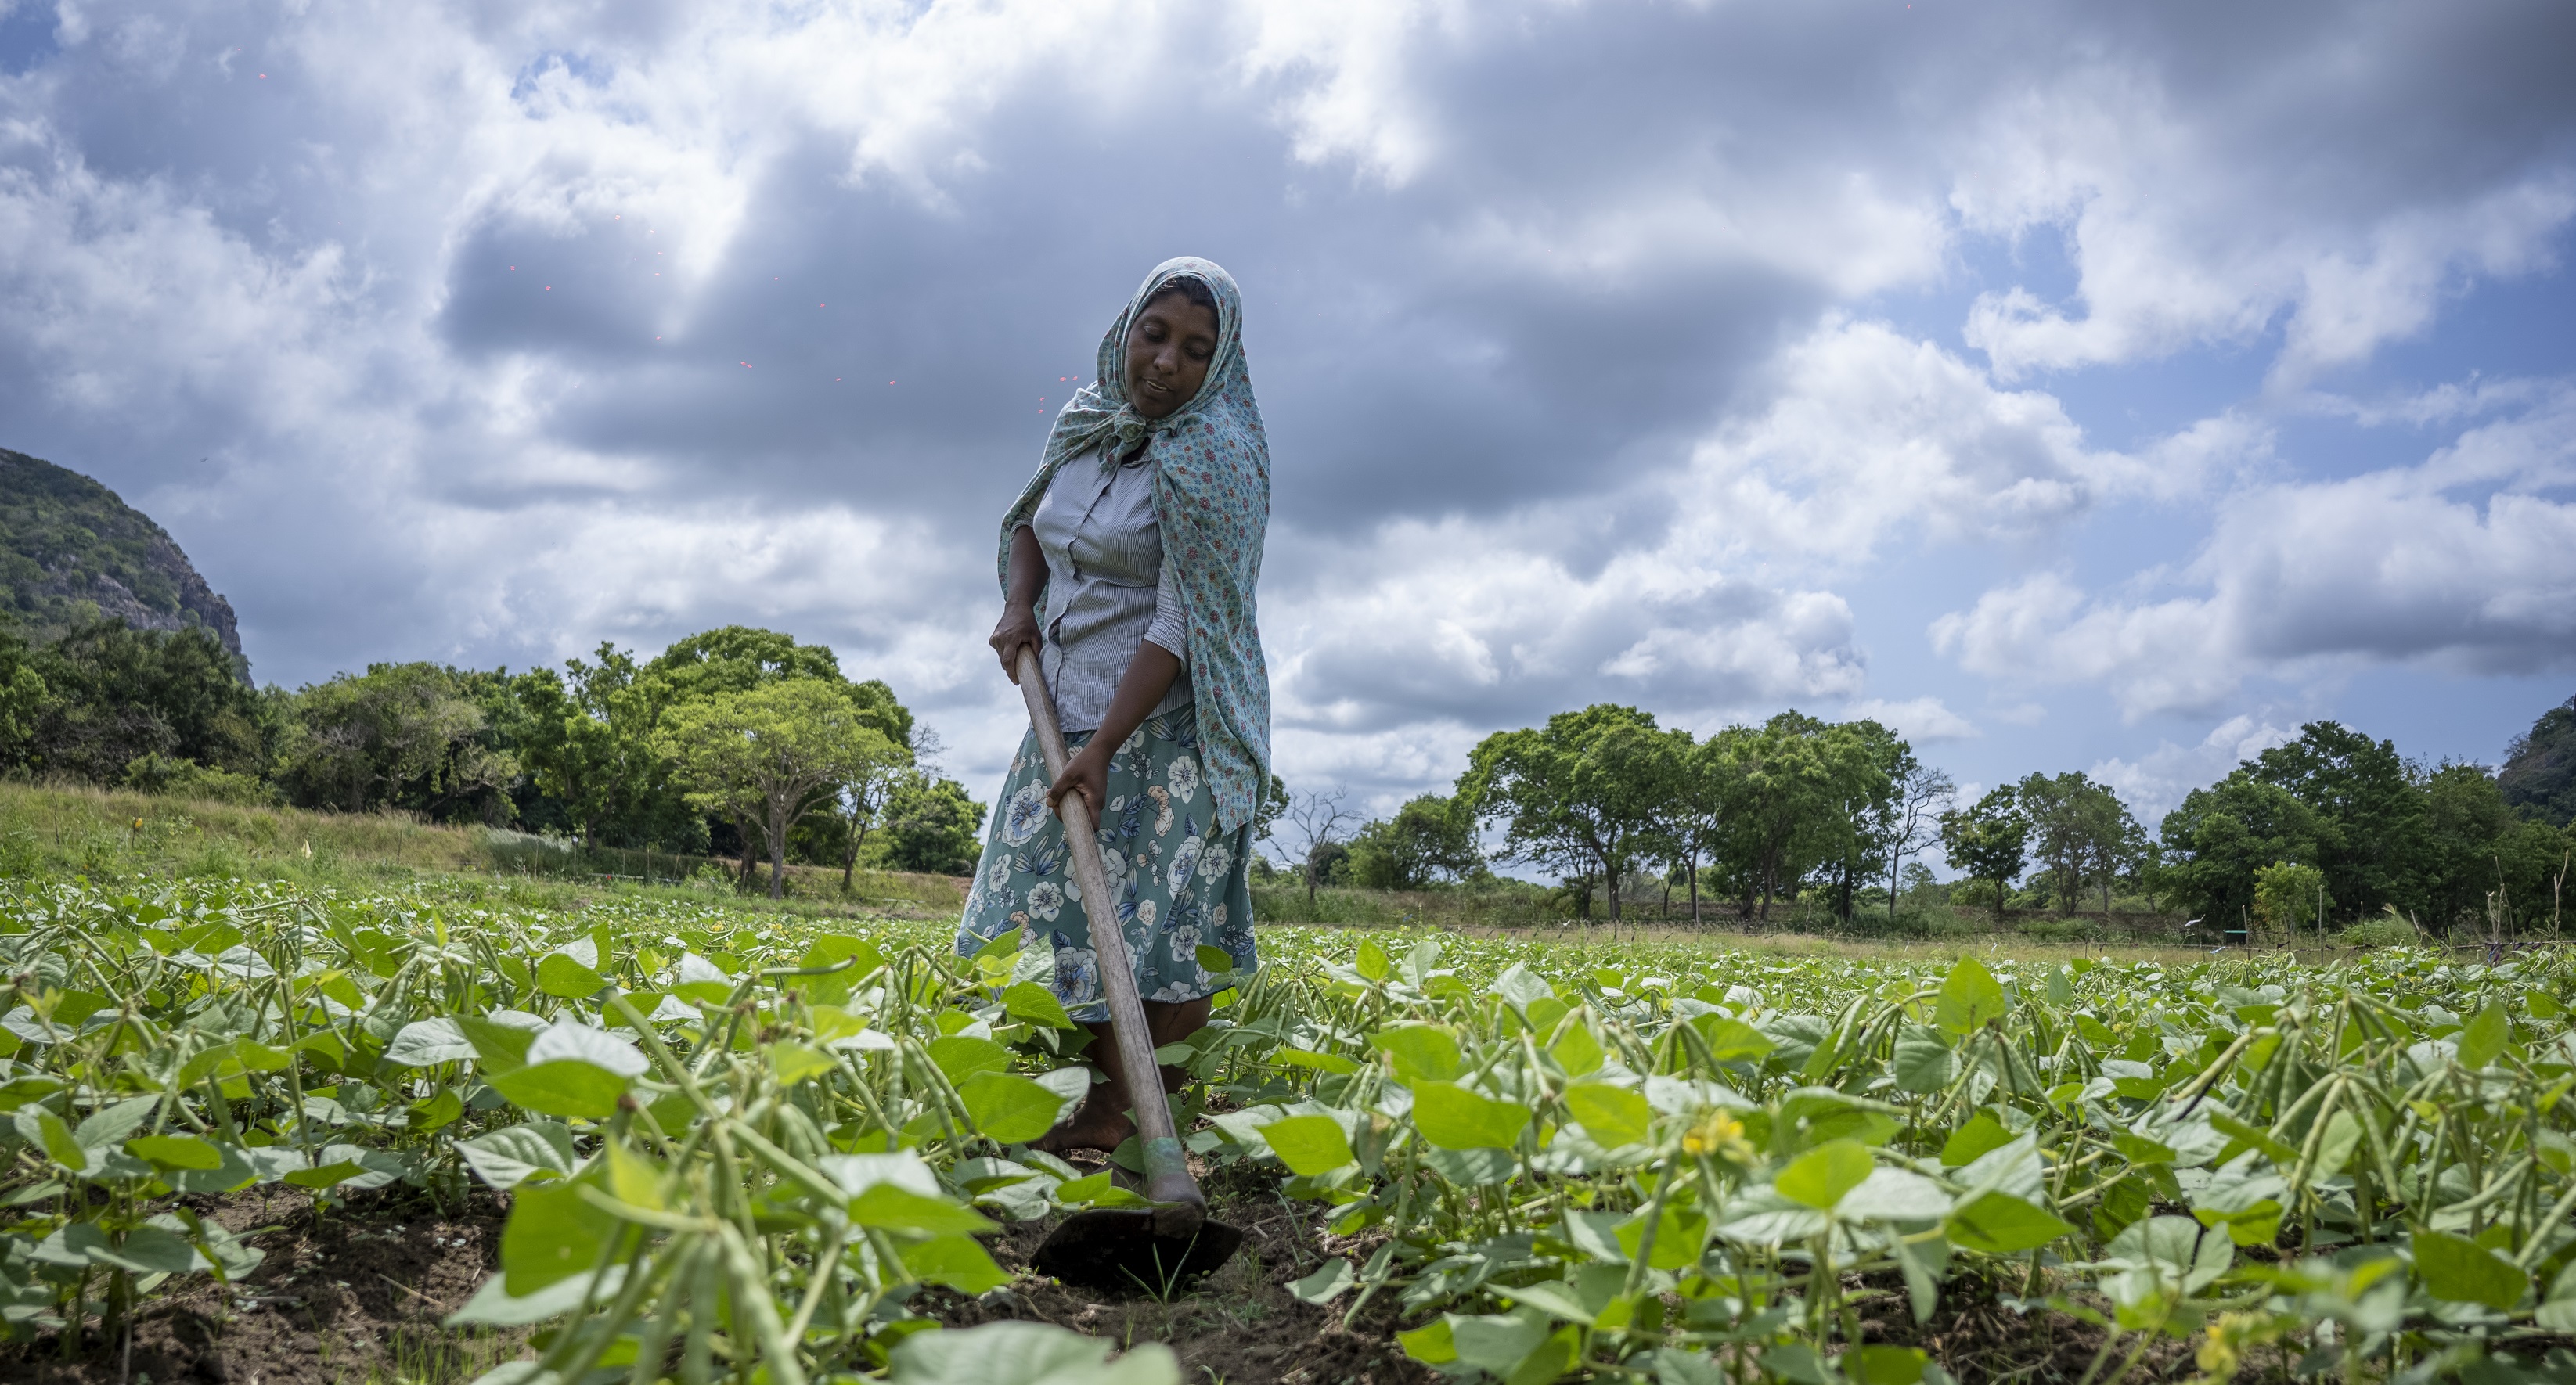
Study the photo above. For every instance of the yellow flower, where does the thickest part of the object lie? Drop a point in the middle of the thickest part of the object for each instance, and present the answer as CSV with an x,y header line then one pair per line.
x,y
1719,1134
2217,1356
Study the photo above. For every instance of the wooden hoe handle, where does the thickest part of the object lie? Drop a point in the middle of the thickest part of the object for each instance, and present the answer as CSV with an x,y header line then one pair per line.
x,y
1179,1206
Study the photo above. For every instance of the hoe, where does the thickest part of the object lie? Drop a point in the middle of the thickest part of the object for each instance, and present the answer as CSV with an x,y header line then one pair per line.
x,y
1160,1248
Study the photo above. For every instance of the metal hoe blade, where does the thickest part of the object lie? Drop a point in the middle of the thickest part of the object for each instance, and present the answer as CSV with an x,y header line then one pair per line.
x,y
1118,1248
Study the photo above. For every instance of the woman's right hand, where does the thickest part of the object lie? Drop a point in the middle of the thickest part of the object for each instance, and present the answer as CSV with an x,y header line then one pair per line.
x,y
1018,627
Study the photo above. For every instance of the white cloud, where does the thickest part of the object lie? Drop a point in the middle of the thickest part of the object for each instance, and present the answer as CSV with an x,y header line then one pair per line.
x,y
2188,228
1921,720
2154,783
2464,561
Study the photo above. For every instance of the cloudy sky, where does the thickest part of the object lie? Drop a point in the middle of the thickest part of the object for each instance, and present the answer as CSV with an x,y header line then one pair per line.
x,y
2073,387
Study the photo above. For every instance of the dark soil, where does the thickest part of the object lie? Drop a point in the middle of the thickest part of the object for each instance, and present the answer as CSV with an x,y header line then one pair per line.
x,y
354,1293
1240,1324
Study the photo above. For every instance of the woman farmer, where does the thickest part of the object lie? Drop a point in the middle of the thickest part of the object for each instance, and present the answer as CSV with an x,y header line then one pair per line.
x,y
1129,563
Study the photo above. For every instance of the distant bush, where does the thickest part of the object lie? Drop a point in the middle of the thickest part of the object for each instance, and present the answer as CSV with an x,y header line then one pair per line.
x,y
178,777
2067,930
2387,930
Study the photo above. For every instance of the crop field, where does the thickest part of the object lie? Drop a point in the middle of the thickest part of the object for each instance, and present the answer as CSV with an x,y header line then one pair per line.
x,y
642,1140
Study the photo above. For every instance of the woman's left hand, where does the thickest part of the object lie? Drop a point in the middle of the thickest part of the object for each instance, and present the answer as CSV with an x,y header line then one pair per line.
x,y
1086,774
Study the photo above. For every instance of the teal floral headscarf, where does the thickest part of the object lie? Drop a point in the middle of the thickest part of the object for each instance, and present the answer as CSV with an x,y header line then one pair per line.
x,y
1212,499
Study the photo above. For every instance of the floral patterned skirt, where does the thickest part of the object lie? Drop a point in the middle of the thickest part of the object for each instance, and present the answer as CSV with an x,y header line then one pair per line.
x,y
1178,884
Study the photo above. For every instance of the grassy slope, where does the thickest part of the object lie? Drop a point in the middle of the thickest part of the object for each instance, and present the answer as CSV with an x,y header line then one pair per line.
x,y
60,830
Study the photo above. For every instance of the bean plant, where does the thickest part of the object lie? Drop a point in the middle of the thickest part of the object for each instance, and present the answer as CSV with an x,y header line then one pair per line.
x,y
742,1147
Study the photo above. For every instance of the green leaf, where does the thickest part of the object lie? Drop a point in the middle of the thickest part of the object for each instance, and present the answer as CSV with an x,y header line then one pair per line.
x,y
1025,1353
1885,1365
961,1056
1969,998
837,988
1431,1344
58,1140
176,1151
1035,1003
1325,1284
562,1087
1096,1190
1452,1117
2342,1137
146,1250
2138,1149
900,1209
1496,1342
2484,1040
423,1042
1319,1062
1577,1052
108,1126
435,1112
1981,1134
1372,962
2461,1270
499,1046
1010,1108
793,1062
1679,1237
1308,1144
1820,1177
552,1234
506,1158
559,975
956,1261
1731,1040
1998,1223
1922,1063
326,1175
1612,1116
1422,1052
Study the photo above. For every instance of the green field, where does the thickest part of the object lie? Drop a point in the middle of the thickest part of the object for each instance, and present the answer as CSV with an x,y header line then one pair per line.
x,y
384,1112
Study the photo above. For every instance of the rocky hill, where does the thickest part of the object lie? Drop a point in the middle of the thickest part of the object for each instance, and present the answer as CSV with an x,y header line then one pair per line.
x,y
71,551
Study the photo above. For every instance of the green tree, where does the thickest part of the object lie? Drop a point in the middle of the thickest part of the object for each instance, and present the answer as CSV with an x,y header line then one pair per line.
x,y
2366,803
769,755
114,695
2539,774
2081,831
2290,900
1707,793
398,735
1584,793
23,697
2215,843
931,825
586,738
1909,819
1866,763
866,793
1989,840
1428,840
1800,783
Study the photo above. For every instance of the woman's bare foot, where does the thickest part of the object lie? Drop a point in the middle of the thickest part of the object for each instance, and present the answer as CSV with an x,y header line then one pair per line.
x,y
1098,1125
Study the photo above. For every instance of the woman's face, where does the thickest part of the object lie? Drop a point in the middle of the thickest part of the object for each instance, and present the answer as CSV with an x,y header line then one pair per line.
x,y
1168,350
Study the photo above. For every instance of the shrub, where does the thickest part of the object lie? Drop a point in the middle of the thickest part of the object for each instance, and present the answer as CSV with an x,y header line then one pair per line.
x,y
2387,930
2073,930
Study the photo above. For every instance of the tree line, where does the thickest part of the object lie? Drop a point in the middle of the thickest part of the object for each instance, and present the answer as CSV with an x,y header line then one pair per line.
x,y
732,742
2331,829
